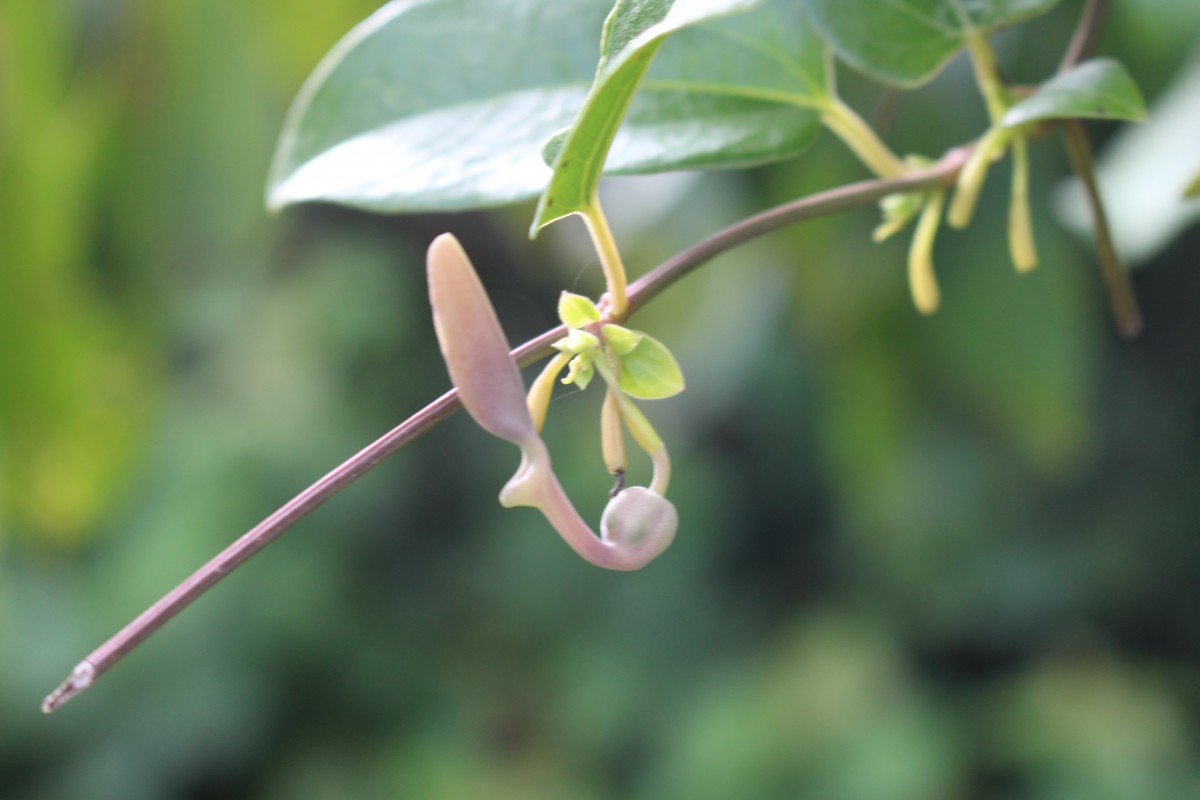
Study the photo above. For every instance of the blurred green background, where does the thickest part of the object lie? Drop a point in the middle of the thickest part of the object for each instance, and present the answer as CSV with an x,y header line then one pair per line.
x,y
953,557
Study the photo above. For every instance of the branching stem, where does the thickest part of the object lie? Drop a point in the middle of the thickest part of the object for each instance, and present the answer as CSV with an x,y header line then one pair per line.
x,y
1121,299
1086,33
640,292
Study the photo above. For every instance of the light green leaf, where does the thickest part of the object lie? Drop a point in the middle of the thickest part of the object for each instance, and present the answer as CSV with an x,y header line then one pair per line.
x,y
620,339
576,311
1097,89
649,371
906,42
438,104
633,33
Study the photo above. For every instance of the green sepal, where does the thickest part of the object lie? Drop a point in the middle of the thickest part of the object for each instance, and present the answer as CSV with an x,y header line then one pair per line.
x,y
649,371
577,311
620,339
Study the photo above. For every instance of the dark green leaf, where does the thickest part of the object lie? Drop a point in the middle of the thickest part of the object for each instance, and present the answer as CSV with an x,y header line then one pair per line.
x,y
905,42
410,112
632,36
1098,89
727,93
443,104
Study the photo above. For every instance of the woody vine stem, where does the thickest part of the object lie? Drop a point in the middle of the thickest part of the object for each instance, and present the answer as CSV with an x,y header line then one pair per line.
x,y
623,302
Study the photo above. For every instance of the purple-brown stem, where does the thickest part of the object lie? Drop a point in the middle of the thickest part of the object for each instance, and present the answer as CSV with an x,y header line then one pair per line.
x,y
1121,298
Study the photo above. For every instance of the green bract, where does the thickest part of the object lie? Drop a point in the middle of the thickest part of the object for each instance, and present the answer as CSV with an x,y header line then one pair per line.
x,y
646,368
649,371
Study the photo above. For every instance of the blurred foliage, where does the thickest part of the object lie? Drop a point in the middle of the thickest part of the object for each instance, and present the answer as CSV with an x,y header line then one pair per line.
x,y
919,558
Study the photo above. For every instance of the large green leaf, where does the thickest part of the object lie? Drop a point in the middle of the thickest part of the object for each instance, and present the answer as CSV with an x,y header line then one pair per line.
x,y
1097,89
728,93
633,33
905,42
438,104
417,110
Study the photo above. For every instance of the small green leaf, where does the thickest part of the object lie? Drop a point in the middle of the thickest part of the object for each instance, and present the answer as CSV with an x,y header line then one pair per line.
x,y
906,42
1098,89
649,371
620,339
576,311
633,33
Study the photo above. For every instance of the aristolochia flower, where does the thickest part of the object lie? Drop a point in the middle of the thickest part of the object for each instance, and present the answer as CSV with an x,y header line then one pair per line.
x,y
638,523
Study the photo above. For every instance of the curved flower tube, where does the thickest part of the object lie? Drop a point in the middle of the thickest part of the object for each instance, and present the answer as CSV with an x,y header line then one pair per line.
x,y
637,524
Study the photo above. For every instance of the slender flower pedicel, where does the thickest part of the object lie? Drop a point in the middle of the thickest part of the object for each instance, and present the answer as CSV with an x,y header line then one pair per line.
x,y
637,524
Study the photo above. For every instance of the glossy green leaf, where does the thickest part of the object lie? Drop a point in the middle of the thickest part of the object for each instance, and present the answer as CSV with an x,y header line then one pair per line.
x,y
633,34
401,116
649,371
906,42
733,92
440,104
1097,89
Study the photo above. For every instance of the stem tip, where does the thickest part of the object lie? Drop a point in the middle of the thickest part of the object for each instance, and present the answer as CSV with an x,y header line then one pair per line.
x,y
80,679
